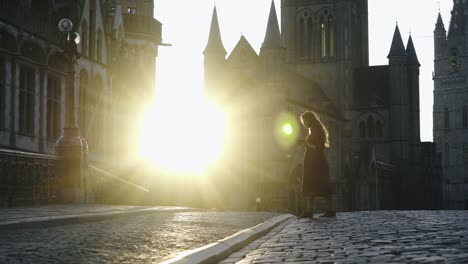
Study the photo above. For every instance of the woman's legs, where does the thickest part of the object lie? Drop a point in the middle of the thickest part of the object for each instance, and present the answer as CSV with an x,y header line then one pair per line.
x,y
307,205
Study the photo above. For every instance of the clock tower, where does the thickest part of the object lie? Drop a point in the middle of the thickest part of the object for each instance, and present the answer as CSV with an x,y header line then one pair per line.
x,y
451,103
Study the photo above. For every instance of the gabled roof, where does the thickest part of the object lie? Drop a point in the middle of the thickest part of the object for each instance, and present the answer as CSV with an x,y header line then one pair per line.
x,y
273,35
242,48
398,48
215,44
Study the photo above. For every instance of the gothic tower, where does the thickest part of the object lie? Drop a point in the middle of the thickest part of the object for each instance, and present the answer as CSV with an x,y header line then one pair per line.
x,y
451,103
326,41
215,59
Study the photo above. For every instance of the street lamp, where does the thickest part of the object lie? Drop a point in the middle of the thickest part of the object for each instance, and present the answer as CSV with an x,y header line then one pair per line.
x,y
71,148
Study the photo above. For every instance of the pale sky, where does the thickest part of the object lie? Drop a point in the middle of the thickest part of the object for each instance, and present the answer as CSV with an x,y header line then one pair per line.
x,y
186,25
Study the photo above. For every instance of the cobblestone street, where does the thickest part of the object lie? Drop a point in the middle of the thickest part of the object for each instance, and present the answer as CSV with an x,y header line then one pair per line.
x,y
136,239
365,237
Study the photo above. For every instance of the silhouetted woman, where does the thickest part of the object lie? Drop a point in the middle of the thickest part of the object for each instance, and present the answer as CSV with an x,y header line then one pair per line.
x,y
315,175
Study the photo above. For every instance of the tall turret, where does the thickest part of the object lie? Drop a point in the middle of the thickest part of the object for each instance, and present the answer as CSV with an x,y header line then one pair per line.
x,y
440,38
272,51
413,99
398,75
215,57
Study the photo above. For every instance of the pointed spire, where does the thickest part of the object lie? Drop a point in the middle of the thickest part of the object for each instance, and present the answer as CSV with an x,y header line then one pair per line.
x,y
440,22
411,51
398,48
458,19
215,44
273,35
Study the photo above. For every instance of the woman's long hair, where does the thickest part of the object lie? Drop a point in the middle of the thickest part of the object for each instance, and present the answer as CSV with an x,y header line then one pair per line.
x,y
310,120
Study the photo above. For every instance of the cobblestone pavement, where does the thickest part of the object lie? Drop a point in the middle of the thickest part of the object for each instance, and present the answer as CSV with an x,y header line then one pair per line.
x,y
137,239
364,237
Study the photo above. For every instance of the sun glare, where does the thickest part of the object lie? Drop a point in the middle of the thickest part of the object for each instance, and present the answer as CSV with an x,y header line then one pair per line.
x,y
183,139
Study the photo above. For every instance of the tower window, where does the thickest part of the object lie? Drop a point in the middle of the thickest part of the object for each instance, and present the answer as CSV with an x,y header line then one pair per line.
x,y
331,32
446,118
447,154
323,37
465,117
84,38
305,38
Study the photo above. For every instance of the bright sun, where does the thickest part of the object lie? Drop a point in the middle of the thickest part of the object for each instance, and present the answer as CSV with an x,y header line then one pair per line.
x,y
184,138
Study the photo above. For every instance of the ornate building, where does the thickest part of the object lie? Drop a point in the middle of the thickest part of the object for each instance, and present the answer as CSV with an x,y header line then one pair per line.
x,y
115,77
319,62
451,104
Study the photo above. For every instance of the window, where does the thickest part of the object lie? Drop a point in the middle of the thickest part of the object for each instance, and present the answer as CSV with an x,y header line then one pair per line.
x,y
465,153
53,108
83,102
447,154
446,118
323,37
84,38
99,46
26,100
331,32
362,129
2,93
305,40
378,129
92,29
465,117
370,126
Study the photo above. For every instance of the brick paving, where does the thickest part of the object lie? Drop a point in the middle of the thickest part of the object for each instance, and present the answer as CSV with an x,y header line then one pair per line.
x,y
364,237
148,238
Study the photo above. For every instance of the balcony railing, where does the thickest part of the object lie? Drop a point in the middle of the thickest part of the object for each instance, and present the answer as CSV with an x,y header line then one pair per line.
x,y
143,25
27,178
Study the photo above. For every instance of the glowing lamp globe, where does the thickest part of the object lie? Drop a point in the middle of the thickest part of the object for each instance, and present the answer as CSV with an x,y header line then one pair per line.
x,y
65,25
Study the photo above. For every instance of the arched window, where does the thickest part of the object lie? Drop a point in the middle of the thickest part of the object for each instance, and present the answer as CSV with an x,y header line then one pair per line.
x,y
323,37
300,40
362,129
447,154
331,32
305,37
378,129
446,118
465,117
84,38
99,46
84,80
370,126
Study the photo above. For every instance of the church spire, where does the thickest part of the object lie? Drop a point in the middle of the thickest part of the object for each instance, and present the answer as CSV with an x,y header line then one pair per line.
x,y
398,48
411,51
215,44
440,22
273,35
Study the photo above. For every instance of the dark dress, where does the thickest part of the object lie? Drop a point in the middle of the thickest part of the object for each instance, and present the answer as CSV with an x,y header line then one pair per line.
x,y
315,174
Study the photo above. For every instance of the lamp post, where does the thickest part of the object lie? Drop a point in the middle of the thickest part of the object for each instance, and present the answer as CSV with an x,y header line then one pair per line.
x,y
71,148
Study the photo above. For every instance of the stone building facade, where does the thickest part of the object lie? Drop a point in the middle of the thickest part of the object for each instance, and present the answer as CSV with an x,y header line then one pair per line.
x,y
451,104
114,81
319,62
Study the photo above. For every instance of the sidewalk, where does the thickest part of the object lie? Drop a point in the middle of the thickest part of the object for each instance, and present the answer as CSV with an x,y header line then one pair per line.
x,y
23,217
364,237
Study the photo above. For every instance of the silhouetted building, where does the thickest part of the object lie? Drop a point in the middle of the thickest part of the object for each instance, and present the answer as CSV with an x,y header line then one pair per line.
x,y
319,62
451,104
115,78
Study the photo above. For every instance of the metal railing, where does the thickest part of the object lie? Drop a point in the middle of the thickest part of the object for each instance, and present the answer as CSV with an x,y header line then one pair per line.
x,y
27,178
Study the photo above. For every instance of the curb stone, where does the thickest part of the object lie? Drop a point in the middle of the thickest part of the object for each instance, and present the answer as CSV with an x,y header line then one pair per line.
x,y
217,251
49,221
